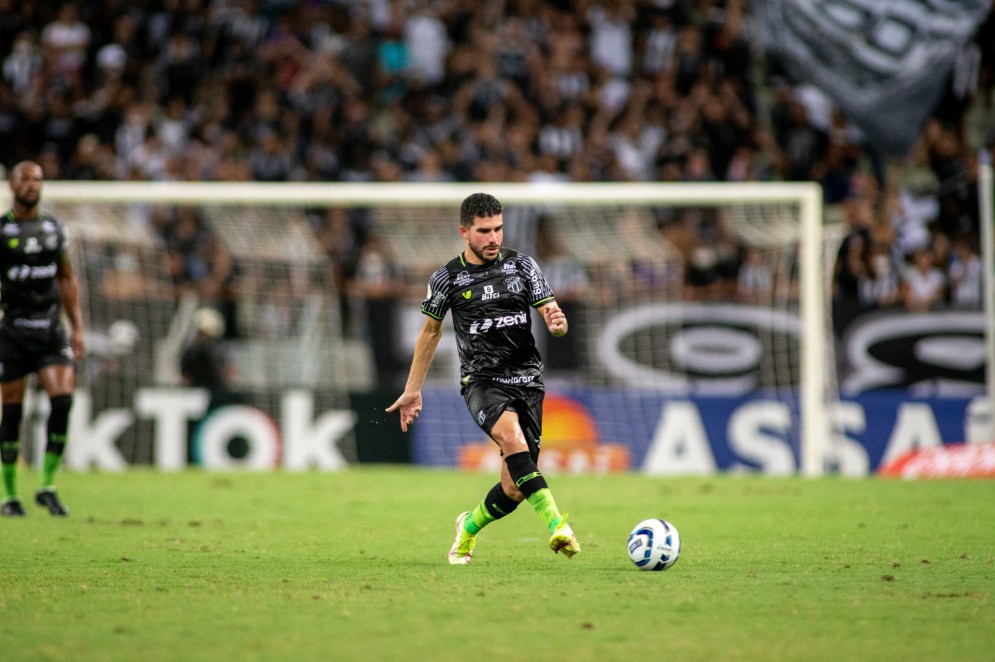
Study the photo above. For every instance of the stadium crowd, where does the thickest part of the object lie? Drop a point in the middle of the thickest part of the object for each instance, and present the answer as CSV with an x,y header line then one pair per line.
x,y
458,90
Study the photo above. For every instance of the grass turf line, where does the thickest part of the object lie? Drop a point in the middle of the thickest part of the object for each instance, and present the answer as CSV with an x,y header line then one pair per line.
x,y
351,565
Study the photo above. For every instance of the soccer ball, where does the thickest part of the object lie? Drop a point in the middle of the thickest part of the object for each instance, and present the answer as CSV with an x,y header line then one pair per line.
x,y
654,545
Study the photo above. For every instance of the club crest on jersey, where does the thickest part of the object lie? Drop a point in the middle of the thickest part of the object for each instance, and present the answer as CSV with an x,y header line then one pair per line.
x,y
489,293
509,267
466,295
463,278
514,284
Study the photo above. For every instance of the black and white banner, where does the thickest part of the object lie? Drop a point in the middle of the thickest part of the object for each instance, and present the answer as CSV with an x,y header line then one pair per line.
x,y
884,62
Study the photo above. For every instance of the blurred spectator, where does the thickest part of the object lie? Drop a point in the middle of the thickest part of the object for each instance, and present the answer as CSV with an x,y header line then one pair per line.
x,y
126,277
571,286
270,160
340,242
392,62
378,287
755,281
430,169
23,63
881,287
59,128
611,35
426,44
91,160
66,40
200,263
922,284
965,273
853,263
658,43
204,364
11,126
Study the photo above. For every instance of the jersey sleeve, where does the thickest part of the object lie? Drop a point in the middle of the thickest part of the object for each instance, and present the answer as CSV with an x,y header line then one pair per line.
x,y
63,234
539,290
436,301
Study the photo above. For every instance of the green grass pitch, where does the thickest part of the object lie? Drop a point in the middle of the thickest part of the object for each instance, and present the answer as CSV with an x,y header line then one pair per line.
x,y
352,566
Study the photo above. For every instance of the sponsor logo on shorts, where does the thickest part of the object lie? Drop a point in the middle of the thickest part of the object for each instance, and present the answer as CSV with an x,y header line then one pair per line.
x,y
22,323
481,417
521,379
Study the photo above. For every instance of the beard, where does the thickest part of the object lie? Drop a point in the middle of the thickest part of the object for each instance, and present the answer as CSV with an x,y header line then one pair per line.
x,y
479,252
28,203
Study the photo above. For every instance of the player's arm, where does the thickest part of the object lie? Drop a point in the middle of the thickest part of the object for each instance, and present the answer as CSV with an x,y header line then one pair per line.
x,y
556,320
410,402
69,291
542,298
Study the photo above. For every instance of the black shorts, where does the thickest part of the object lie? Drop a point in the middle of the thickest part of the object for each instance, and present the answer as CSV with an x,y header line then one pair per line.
x,y
22,352
488,400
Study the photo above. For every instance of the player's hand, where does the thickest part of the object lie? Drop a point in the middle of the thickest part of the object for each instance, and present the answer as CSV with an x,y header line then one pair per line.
x,y
556,321
410,405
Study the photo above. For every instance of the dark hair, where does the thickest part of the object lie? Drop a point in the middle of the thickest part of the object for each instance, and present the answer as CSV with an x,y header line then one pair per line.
x,y
21,166
478,205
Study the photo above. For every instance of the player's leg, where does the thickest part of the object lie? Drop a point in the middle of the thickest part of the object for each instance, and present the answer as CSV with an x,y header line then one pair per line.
x,y
496,504
521,452
485,404
58,381
12,394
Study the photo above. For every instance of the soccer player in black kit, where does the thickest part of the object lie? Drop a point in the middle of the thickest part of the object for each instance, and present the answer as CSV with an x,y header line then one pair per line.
x,y
37,283
489,290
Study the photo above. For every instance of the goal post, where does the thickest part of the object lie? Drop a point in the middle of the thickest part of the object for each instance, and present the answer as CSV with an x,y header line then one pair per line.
x,y
595,216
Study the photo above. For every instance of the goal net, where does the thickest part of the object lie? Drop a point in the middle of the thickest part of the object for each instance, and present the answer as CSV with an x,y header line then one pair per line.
x,y
691,297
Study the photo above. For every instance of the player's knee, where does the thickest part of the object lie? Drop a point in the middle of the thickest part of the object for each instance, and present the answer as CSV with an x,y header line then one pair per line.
x,y
512,446
509,439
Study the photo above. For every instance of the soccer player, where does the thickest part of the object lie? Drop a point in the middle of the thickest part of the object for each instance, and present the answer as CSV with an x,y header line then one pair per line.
x,y
37,283
490,290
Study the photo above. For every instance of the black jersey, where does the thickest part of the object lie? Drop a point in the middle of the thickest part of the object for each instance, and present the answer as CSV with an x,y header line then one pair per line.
x,y
490,305
30,254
